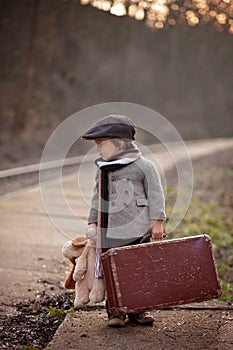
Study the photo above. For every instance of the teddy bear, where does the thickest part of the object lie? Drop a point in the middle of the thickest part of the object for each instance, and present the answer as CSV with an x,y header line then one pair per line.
x,y
81,251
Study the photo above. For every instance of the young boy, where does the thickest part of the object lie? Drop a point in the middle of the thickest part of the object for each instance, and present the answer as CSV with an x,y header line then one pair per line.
x,y
128,199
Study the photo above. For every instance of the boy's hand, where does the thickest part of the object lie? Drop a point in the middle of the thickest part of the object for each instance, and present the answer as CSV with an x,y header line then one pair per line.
x,y
93,224
157,229
91,232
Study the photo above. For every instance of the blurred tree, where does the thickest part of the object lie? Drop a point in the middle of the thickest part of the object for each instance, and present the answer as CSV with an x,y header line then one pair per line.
x,y
58,57
159,13
21,115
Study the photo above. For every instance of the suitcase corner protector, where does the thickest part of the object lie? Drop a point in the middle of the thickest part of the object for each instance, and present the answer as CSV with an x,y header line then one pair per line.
x,y
109,252
207,237
112,251
219,292
122,310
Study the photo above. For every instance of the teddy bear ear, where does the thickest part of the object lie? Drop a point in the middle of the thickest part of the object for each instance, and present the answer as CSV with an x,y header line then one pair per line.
x,y
69,282
79,242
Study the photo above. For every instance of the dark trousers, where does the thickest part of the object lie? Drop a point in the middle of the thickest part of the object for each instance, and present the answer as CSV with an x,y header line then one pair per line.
x,y
112,243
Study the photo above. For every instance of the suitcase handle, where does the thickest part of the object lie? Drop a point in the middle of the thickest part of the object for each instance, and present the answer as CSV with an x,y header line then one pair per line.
x,y
148,235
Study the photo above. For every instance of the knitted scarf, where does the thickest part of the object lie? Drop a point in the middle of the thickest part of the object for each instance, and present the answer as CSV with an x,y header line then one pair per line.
x,y
118,161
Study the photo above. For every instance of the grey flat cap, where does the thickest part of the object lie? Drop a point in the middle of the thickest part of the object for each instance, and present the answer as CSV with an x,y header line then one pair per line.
x,y
112,126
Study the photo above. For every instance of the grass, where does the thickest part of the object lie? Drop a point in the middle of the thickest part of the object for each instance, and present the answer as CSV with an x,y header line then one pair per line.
x,y
56,312
210,212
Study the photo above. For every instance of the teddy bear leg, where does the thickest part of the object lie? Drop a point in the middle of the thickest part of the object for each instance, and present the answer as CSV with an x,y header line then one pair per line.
x,y
97,293
81,293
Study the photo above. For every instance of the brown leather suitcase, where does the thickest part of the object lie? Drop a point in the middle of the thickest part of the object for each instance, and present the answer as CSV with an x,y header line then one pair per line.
x,y
159,274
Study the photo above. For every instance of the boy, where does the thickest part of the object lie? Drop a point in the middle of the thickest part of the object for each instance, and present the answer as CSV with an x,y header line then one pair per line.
x,y
128,199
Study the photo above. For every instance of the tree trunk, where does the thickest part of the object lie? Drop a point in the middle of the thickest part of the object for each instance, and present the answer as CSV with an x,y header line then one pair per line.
x,y
21,116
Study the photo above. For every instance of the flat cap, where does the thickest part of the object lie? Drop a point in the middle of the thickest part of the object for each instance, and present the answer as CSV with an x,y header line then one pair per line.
x,y
112,126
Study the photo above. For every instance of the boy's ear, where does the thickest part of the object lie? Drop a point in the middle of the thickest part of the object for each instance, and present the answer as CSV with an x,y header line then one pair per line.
x,y
121,144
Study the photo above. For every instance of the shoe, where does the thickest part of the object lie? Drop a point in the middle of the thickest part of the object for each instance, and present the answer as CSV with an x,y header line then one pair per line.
x,y
141,318
116,321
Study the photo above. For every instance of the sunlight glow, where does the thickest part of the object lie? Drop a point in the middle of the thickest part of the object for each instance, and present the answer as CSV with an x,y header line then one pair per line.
x,y
160,13
118,9
192,19
139,15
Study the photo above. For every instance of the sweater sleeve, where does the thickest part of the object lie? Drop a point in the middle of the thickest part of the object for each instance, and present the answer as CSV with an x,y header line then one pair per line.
x,y
154,191
93,212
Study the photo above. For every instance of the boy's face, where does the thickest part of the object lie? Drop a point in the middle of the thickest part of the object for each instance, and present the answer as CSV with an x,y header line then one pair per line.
x,y
106,148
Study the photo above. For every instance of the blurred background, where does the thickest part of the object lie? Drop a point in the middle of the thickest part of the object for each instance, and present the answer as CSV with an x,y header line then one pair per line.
x,y
58,57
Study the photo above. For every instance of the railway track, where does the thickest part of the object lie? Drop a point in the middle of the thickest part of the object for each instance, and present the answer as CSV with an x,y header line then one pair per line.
x,y
26,177
10,184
